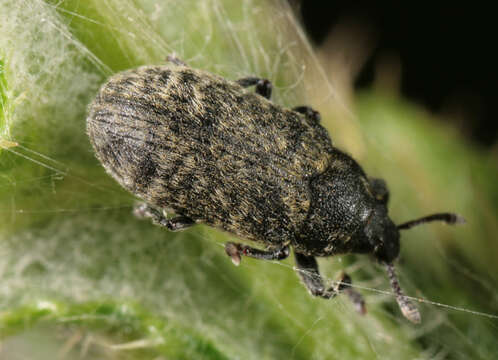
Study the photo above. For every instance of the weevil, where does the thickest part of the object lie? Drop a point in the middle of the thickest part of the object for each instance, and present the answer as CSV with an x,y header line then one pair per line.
x,y
211,151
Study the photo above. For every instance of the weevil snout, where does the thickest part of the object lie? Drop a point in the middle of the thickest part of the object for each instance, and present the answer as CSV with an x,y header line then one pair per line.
x,y
383,235
387,249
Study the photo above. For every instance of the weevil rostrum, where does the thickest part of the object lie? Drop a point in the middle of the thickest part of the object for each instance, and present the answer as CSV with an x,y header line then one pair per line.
x,y
206,148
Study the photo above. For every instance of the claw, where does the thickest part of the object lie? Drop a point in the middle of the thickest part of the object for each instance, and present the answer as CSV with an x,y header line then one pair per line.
x,y
233,251
140,210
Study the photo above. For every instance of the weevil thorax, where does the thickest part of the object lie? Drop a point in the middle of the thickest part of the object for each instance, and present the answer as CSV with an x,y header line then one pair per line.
x,y
346,215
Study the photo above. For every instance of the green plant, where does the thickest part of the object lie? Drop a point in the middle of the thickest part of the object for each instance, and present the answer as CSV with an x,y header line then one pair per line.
x,y
75,264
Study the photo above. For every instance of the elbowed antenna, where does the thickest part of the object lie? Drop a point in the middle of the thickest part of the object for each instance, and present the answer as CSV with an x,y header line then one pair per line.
x,y
448,218
408,309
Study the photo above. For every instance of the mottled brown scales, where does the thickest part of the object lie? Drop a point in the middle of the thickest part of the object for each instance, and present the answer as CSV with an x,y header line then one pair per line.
x,y
214,152
196,143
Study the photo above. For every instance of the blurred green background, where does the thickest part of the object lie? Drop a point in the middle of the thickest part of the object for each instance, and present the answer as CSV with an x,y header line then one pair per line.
x,y
81,278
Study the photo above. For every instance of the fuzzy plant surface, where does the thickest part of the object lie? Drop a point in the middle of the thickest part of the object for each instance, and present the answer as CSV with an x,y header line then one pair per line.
x,y
80,277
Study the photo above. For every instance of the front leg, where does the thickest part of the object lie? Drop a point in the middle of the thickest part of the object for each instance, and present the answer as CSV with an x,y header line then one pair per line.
x,y
307,269
175,224
235,251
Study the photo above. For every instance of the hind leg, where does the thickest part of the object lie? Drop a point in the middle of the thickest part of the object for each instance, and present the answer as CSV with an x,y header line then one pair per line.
x,y
263,86
177,223
235,251
173,59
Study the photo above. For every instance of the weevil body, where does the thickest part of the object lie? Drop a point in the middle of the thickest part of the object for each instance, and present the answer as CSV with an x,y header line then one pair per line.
x,y
213,152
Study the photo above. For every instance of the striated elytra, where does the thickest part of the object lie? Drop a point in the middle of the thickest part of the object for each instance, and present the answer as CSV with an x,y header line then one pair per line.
x,y
207,149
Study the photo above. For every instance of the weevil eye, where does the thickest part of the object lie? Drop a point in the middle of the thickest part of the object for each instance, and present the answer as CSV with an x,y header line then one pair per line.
x,y
387,251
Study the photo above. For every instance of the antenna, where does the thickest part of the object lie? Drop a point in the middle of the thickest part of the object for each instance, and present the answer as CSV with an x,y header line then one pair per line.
x,y
448,218
408,309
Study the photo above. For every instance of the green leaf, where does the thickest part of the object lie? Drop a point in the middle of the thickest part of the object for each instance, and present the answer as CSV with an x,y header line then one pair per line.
x,y
80,276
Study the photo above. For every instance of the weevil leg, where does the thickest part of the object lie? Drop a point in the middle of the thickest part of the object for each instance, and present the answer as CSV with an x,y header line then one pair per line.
x,y
379,188
235,251
307,269
177,223
309,112
344,285
173,59
263,86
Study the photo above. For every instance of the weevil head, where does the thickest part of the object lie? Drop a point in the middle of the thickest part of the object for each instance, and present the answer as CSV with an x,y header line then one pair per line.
x,y
383,235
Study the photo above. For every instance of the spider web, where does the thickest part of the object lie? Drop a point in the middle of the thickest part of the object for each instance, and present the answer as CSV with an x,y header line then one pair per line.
x,y
67,236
